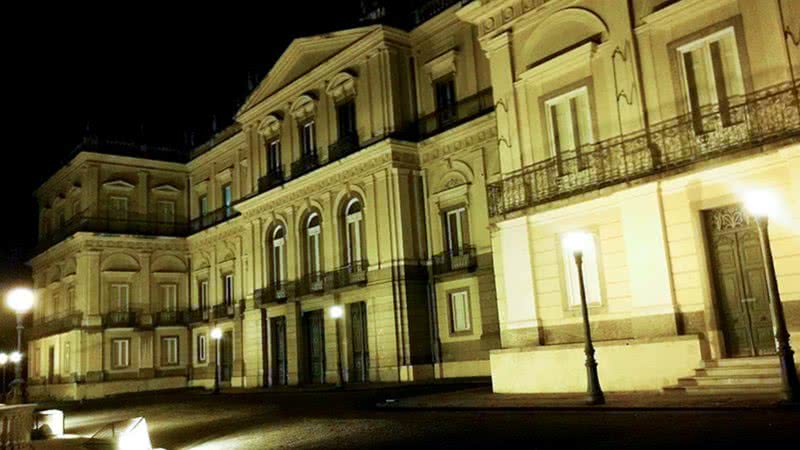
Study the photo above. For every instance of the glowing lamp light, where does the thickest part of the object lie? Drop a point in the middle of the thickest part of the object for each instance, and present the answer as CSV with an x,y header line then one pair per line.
x,y
336,311
3,359
20,300
15,357
216,334
761,203
577,241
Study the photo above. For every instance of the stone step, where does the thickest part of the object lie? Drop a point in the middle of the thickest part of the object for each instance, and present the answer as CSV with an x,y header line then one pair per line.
x,y
734,389
738,371
731,380
755,361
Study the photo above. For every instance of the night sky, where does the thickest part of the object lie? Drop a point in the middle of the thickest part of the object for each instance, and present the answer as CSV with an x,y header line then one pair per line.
x,y
124,70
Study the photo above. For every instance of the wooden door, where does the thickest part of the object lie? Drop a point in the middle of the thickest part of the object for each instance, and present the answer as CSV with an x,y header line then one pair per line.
x,y
315,346
226,358
739,282
51,363
359,347
279,362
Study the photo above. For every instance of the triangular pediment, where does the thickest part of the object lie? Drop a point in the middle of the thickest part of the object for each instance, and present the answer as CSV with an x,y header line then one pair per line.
x,y
303,55
118,184
167,189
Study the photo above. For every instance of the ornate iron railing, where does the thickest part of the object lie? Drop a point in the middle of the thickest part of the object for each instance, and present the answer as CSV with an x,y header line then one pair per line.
x,y
464,258
274,178
455,114
306,163
56,325
313,283
346,145
223,310
120,319
215,217
198,315
167,318
427,9
741,123
279,292
353,273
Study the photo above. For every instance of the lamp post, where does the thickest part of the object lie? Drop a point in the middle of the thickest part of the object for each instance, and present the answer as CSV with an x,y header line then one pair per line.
x,y
336,312
216,335
577,242
21,301
3,361
762,204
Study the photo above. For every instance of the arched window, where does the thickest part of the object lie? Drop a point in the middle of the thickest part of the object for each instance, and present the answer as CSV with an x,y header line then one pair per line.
x,y
278,255
313,231
353,220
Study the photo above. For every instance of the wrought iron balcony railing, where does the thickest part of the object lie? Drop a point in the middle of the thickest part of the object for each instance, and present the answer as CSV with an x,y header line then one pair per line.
x,y
168,318
313,283
353,273
57,325
223,310
198,315
279,292
464,258
346,145
274,178
215,217
455,114
120,319
427,9
306,163
742,123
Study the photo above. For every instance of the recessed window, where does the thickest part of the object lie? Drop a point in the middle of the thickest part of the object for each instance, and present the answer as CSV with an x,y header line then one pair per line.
x,y
353,222
227,196
274,156
118,208
313,231
346,118
459,312
203,204
203,294
202,348
591,275
169,296
120,297
445,93
169,351
456,230
166,211
569,123
227,294
278,254
308,138
120,353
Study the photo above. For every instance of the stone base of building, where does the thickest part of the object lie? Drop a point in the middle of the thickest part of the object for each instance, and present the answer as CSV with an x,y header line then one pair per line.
x,y
463,369
78,391
623,365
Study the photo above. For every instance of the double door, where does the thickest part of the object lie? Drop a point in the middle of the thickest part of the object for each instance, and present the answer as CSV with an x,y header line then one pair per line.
x,y
279,361
313,326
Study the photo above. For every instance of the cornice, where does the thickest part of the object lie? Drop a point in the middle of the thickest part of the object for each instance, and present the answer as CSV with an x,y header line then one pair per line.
x,y
232,144
466,136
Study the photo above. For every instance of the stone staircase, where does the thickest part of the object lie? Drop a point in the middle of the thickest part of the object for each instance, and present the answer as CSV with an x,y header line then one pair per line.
x,y
756,375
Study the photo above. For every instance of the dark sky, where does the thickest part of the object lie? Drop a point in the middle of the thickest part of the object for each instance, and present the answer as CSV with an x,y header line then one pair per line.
x,y
170,69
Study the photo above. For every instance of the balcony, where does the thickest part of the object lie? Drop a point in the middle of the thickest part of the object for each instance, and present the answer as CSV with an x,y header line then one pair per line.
x,y
56,325
354,273
463,111
740,124
170,318
276,293
275,177
120,319
198,315
215,217
464,258
346,145
313,283
306,163
430,8
223,310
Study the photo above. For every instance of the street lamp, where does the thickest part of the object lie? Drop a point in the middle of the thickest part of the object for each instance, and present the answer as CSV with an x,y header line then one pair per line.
x,y
21,301
762,204
337,312
216,335
577,242
3,361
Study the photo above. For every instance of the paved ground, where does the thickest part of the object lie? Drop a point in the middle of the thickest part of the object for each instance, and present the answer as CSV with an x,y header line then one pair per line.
x,y
350,420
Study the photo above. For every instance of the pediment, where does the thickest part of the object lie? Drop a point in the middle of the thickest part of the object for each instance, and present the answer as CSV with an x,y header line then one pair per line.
x,y
166,189
303,55
118,184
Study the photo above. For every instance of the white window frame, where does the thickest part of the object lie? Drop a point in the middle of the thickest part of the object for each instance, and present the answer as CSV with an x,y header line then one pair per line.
x,y
705,44
550,103
227,289
202,348
591,275
313,236
122,351
459,215
113,202
460,312
171,346
278,254
121,294
353,233
169,296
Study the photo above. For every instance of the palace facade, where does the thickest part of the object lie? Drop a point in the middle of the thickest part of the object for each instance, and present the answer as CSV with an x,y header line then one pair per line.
x,y
420,174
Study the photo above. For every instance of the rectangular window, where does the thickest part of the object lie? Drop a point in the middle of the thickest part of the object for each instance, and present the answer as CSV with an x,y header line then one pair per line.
x,y
456,230
203,294
166,211
459,312
71,298
118,208
76,207
569,122
445,92
169,297
591,275
120,353
711,75
308,138
67,359
346,119
274,156
227,294
203,204
227,196
202,349
120,297
169,351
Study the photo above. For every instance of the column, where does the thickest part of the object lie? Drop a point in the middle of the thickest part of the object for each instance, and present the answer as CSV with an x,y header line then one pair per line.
x,y
498,51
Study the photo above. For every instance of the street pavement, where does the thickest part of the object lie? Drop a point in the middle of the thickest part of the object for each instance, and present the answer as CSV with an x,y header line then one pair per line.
x,y
350,419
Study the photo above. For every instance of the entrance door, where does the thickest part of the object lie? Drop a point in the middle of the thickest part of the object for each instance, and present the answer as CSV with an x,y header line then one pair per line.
x,y
226,359
315,346
278,337
740,283
359,345
51,363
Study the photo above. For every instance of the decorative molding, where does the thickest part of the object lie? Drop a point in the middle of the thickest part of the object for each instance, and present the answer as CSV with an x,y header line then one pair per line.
x,y
225,175
437,149
201,187
580,57
342,86
442,65
119,185
304,107
271,125
166,189
729,218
